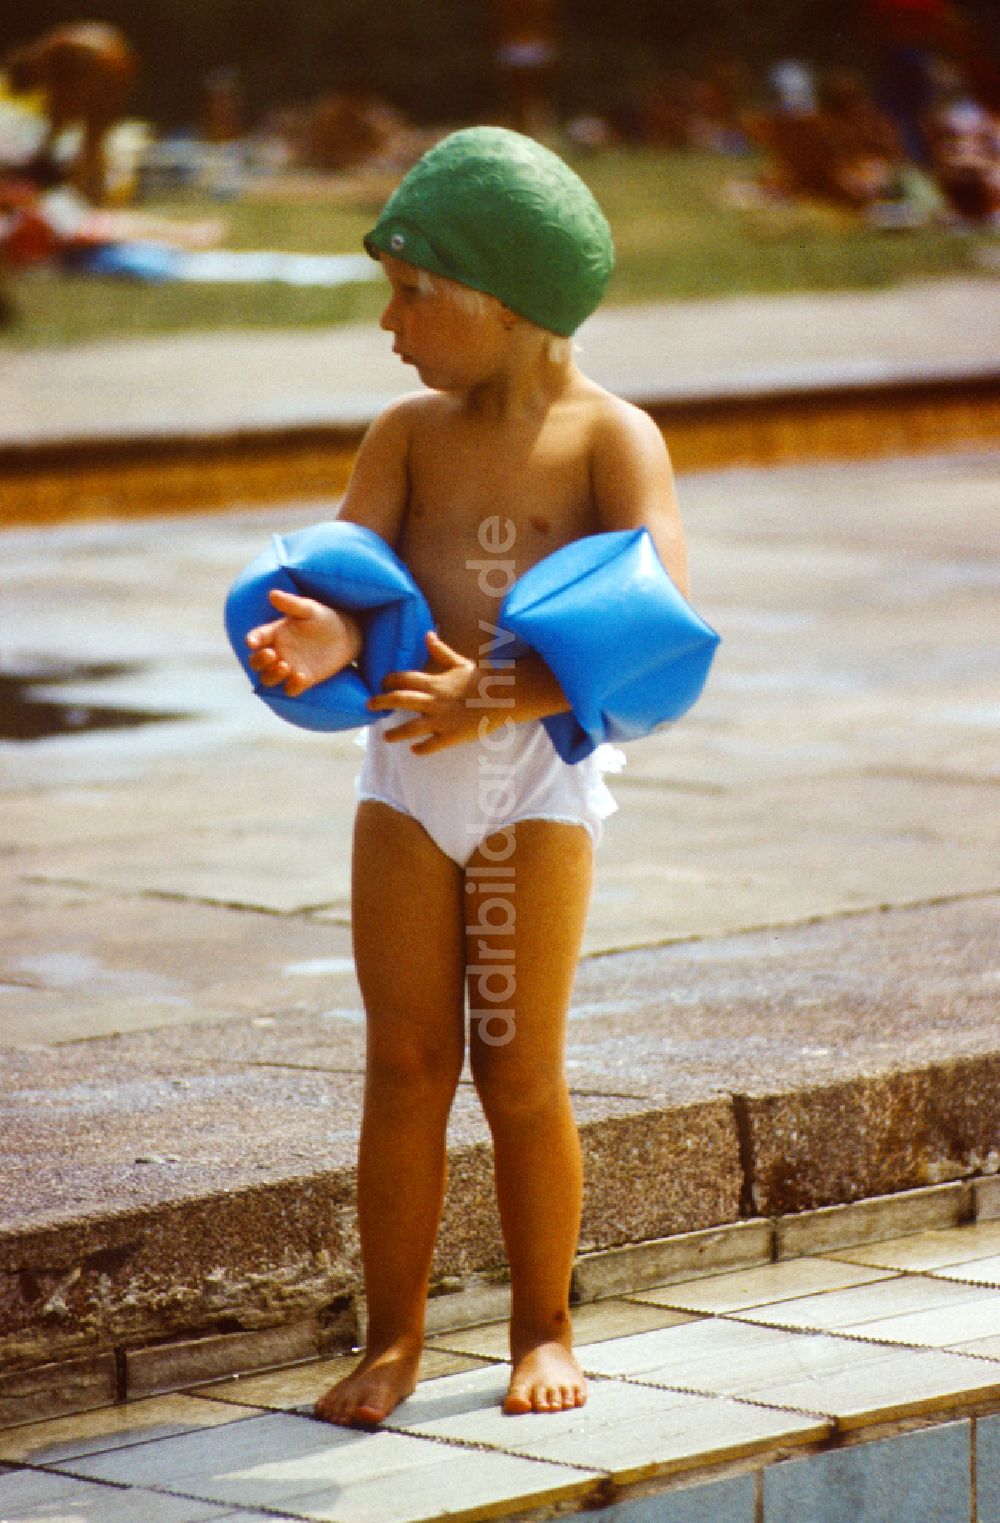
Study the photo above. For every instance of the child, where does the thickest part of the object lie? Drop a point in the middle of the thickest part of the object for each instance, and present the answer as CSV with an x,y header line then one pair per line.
x,y
473,840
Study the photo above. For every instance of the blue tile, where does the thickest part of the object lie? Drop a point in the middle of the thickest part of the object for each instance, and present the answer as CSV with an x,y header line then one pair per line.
x,y
915,1478
729,1501
988,1469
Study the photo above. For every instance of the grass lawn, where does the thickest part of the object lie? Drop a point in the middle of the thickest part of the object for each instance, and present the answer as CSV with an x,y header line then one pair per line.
x,y
675,235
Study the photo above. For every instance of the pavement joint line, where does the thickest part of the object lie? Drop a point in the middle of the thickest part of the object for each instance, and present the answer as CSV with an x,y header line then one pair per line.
x,y
611,1094
58,1467
440,1347
848,1336
146,1441
752,929
928,775
262,1508
323,1068
172,896
954,1279
822,917
200,1064
743,1401
150,1488
309,1068
483,1446
744,1137
88,885
961,1352
238,1400
970,1400
121,1373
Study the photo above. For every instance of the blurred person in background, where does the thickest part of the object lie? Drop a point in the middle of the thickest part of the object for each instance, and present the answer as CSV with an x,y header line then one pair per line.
x,y
911,41
964,141
85,74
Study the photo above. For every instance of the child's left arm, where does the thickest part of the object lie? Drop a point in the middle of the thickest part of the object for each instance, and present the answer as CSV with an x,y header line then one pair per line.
x,y
634,484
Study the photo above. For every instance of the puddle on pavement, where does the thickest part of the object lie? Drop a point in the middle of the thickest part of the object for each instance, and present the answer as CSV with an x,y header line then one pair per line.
x,y
29,710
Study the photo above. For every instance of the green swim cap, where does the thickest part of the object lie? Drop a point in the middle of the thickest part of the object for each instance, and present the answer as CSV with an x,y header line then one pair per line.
x,y
496,211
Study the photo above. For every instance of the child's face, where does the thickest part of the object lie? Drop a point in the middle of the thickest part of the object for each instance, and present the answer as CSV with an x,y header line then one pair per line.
x,y
452,346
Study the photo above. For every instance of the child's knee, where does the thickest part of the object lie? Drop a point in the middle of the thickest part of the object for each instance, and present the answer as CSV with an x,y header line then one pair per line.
x,y
512,1086
414,1071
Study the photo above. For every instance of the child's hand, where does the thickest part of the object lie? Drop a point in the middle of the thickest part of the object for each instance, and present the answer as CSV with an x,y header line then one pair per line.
x,y
439,701
307,645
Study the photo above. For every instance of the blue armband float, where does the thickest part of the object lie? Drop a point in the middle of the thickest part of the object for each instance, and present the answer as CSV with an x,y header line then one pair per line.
x,y
348,567
628,650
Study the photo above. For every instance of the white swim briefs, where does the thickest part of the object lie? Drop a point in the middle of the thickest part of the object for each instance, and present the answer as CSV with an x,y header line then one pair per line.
x,y
467,792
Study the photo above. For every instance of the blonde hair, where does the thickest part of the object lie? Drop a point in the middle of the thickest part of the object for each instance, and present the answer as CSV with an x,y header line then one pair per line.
x,y
557,348
474,302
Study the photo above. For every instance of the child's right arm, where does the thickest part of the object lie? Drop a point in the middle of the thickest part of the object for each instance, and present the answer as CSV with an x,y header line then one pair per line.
x,y
311,642
379,488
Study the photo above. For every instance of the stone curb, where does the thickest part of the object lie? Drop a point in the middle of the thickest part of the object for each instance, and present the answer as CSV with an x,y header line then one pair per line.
x,y
829,412
270,1324
337,425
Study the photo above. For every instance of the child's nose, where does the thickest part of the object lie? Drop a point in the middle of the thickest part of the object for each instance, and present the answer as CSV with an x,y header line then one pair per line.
x,y
388,319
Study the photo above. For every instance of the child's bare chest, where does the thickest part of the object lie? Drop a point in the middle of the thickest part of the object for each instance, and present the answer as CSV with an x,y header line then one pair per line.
x,y
537,481
482,511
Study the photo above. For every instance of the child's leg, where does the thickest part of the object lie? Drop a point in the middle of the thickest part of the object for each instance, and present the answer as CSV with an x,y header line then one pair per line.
x,y
522,1084
407,917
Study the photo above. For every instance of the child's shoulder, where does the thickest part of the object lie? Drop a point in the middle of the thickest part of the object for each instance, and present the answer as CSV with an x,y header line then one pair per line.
x,y
618,428
402,415
416,408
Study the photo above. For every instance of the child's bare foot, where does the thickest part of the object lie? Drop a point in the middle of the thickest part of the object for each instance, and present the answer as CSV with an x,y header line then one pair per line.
x,y
366,1396
546,1378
